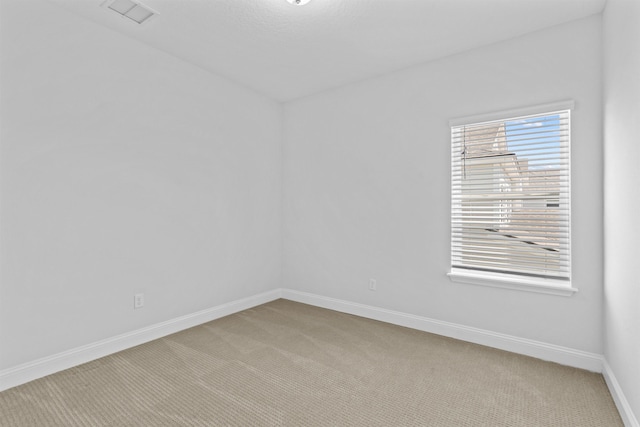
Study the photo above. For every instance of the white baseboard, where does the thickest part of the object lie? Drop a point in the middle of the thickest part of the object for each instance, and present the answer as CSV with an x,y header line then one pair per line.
x,y
619,398
550,352
566,356
48,365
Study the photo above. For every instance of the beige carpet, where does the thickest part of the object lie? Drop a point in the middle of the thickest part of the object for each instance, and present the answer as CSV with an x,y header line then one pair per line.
x,y
290,364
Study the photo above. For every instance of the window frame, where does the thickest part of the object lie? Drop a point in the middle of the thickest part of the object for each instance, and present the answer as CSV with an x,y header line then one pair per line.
x,y
503,279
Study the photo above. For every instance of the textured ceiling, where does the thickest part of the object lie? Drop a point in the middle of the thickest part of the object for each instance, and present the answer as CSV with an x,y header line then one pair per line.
x,y
286,51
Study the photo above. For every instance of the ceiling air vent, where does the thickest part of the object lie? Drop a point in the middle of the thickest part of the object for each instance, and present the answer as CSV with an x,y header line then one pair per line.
x,y
135,11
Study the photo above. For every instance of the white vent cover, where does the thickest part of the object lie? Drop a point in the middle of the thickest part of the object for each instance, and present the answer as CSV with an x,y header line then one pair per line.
x,y
137,12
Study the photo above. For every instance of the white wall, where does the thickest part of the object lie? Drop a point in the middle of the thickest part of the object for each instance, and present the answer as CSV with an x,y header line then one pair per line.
x,y
366,185
622,195
124,170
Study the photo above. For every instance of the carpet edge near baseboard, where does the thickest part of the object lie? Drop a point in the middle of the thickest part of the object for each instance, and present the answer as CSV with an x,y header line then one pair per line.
x,y
624,408
39,368
540,350
48,365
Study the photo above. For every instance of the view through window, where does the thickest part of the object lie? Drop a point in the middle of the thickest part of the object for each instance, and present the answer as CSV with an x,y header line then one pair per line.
x,y
511,196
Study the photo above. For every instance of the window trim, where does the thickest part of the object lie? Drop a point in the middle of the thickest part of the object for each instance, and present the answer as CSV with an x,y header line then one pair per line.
x,y
512,281
526,111
506,280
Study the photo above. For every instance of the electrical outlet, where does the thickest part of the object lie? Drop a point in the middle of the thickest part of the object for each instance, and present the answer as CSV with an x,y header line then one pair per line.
x,y
372,284
138,301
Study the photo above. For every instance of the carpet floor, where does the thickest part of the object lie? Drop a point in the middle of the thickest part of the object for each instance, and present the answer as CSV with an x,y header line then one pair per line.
x,y
291,364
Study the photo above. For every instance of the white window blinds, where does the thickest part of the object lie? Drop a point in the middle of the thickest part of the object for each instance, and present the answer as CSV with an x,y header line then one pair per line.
x,y
511,196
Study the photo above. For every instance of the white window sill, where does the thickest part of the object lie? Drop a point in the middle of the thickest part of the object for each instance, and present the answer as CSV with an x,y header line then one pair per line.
x,y
527,284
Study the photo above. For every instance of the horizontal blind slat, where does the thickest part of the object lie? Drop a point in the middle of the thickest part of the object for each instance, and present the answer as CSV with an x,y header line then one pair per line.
x,y
520,272
510,195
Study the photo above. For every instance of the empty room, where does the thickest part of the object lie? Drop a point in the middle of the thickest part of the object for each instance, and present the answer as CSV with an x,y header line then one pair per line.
x,y
319,213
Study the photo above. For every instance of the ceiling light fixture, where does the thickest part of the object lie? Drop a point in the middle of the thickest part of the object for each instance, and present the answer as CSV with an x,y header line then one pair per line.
x,y
298,2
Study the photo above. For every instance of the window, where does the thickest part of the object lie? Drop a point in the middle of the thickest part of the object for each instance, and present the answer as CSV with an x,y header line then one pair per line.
x,y
510,200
